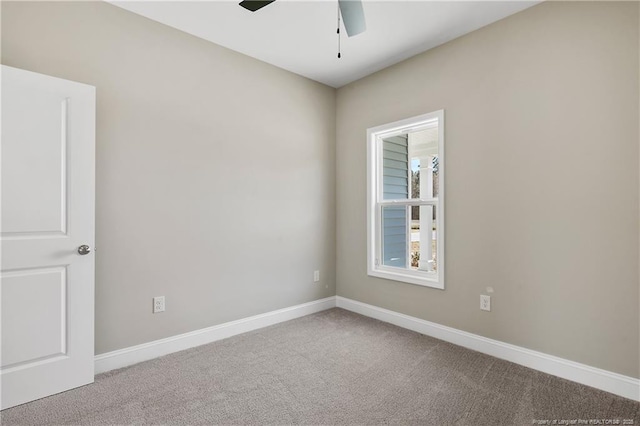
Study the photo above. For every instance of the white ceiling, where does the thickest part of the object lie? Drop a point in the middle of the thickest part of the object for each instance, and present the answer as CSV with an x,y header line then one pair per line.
x,y
300,36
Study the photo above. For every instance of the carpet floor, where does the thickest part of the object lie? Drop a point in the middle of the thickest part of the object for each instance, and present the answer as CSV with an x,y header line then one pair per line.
x,y
333,367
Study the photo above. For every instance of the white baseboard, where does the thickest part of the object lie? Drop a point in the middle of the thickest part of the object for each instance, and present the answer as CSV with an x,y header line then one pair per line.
x,y
146,351
618,384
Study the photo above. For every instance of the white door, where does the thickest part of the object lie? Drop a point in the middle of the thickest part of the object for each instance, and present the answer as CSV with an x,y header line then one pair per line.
x,y
46,291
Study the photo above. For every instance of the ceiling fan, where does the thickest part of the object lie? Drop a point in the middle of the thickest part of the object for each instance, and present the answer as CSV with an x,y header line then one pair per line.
x,y
351,11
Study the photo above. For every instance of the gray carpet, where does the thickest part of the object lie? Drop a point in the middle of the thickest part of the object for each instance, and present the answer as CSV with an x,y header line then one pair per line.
x,y
333,367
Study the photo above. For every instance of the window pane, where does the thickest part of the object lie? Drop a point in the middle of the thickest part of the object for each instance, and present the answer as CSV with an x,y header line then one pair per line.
x,y
415,177
394,236
395,168
435,162
423,238
423,159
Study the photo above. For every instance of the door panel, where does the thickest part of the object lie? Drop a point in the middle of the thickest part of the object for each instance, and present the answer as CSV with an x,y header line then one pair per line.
x,y
47,287
33,304
34,202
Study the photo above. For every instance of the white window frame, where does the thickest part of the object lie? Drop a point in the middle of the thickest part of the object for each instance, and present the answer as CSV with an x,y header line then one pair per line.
x,y
375,202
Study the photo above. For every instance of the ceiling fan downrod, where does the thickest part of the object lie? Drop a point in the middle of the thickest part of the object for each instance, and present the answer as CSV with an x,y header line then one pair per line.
x,y
339,55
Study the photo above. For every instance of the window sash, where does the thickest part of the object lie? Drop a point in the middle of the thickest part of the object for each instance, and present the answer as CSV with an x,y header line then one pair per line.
x,y
410,202
379,243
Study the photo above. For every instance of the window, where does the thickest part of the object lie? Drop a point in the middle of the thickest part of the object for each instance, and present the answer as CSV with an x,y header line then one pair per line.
x,y
406,200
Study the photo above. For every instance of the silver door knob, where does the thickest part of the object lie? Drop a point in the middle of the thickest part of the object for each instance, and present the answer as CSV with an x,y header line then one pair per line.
x,y
84,249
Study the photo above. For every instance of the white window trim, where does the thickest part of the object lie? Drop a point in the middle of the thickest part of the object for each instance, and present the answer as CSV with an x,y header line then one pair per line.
x,y
374,201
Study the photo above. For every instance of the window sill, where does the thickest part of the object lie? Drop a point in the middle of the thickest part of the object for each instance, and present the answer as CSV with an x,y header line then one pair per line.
x,y
407,278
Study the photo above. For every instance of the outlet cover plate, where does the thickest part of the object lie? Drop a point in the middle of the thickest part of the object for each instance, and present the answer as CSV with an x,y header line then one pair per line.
x,y
485,302
158,304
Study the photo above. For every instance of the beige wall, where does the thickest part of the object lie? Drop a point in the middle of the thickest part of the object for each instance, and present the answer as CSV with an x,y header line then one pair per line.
x,y
215,172
542,180
198,199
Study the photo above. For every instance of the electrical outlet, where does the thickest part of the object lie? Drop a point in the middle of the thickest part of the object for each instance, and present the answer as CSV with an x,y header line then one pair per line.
x,y
316,276
158,304
485,302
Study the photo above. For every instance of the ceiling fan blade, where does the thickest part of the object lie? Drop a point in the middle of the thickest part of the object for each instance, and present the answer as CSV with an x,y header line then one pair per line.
x,y
254,5
352,16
